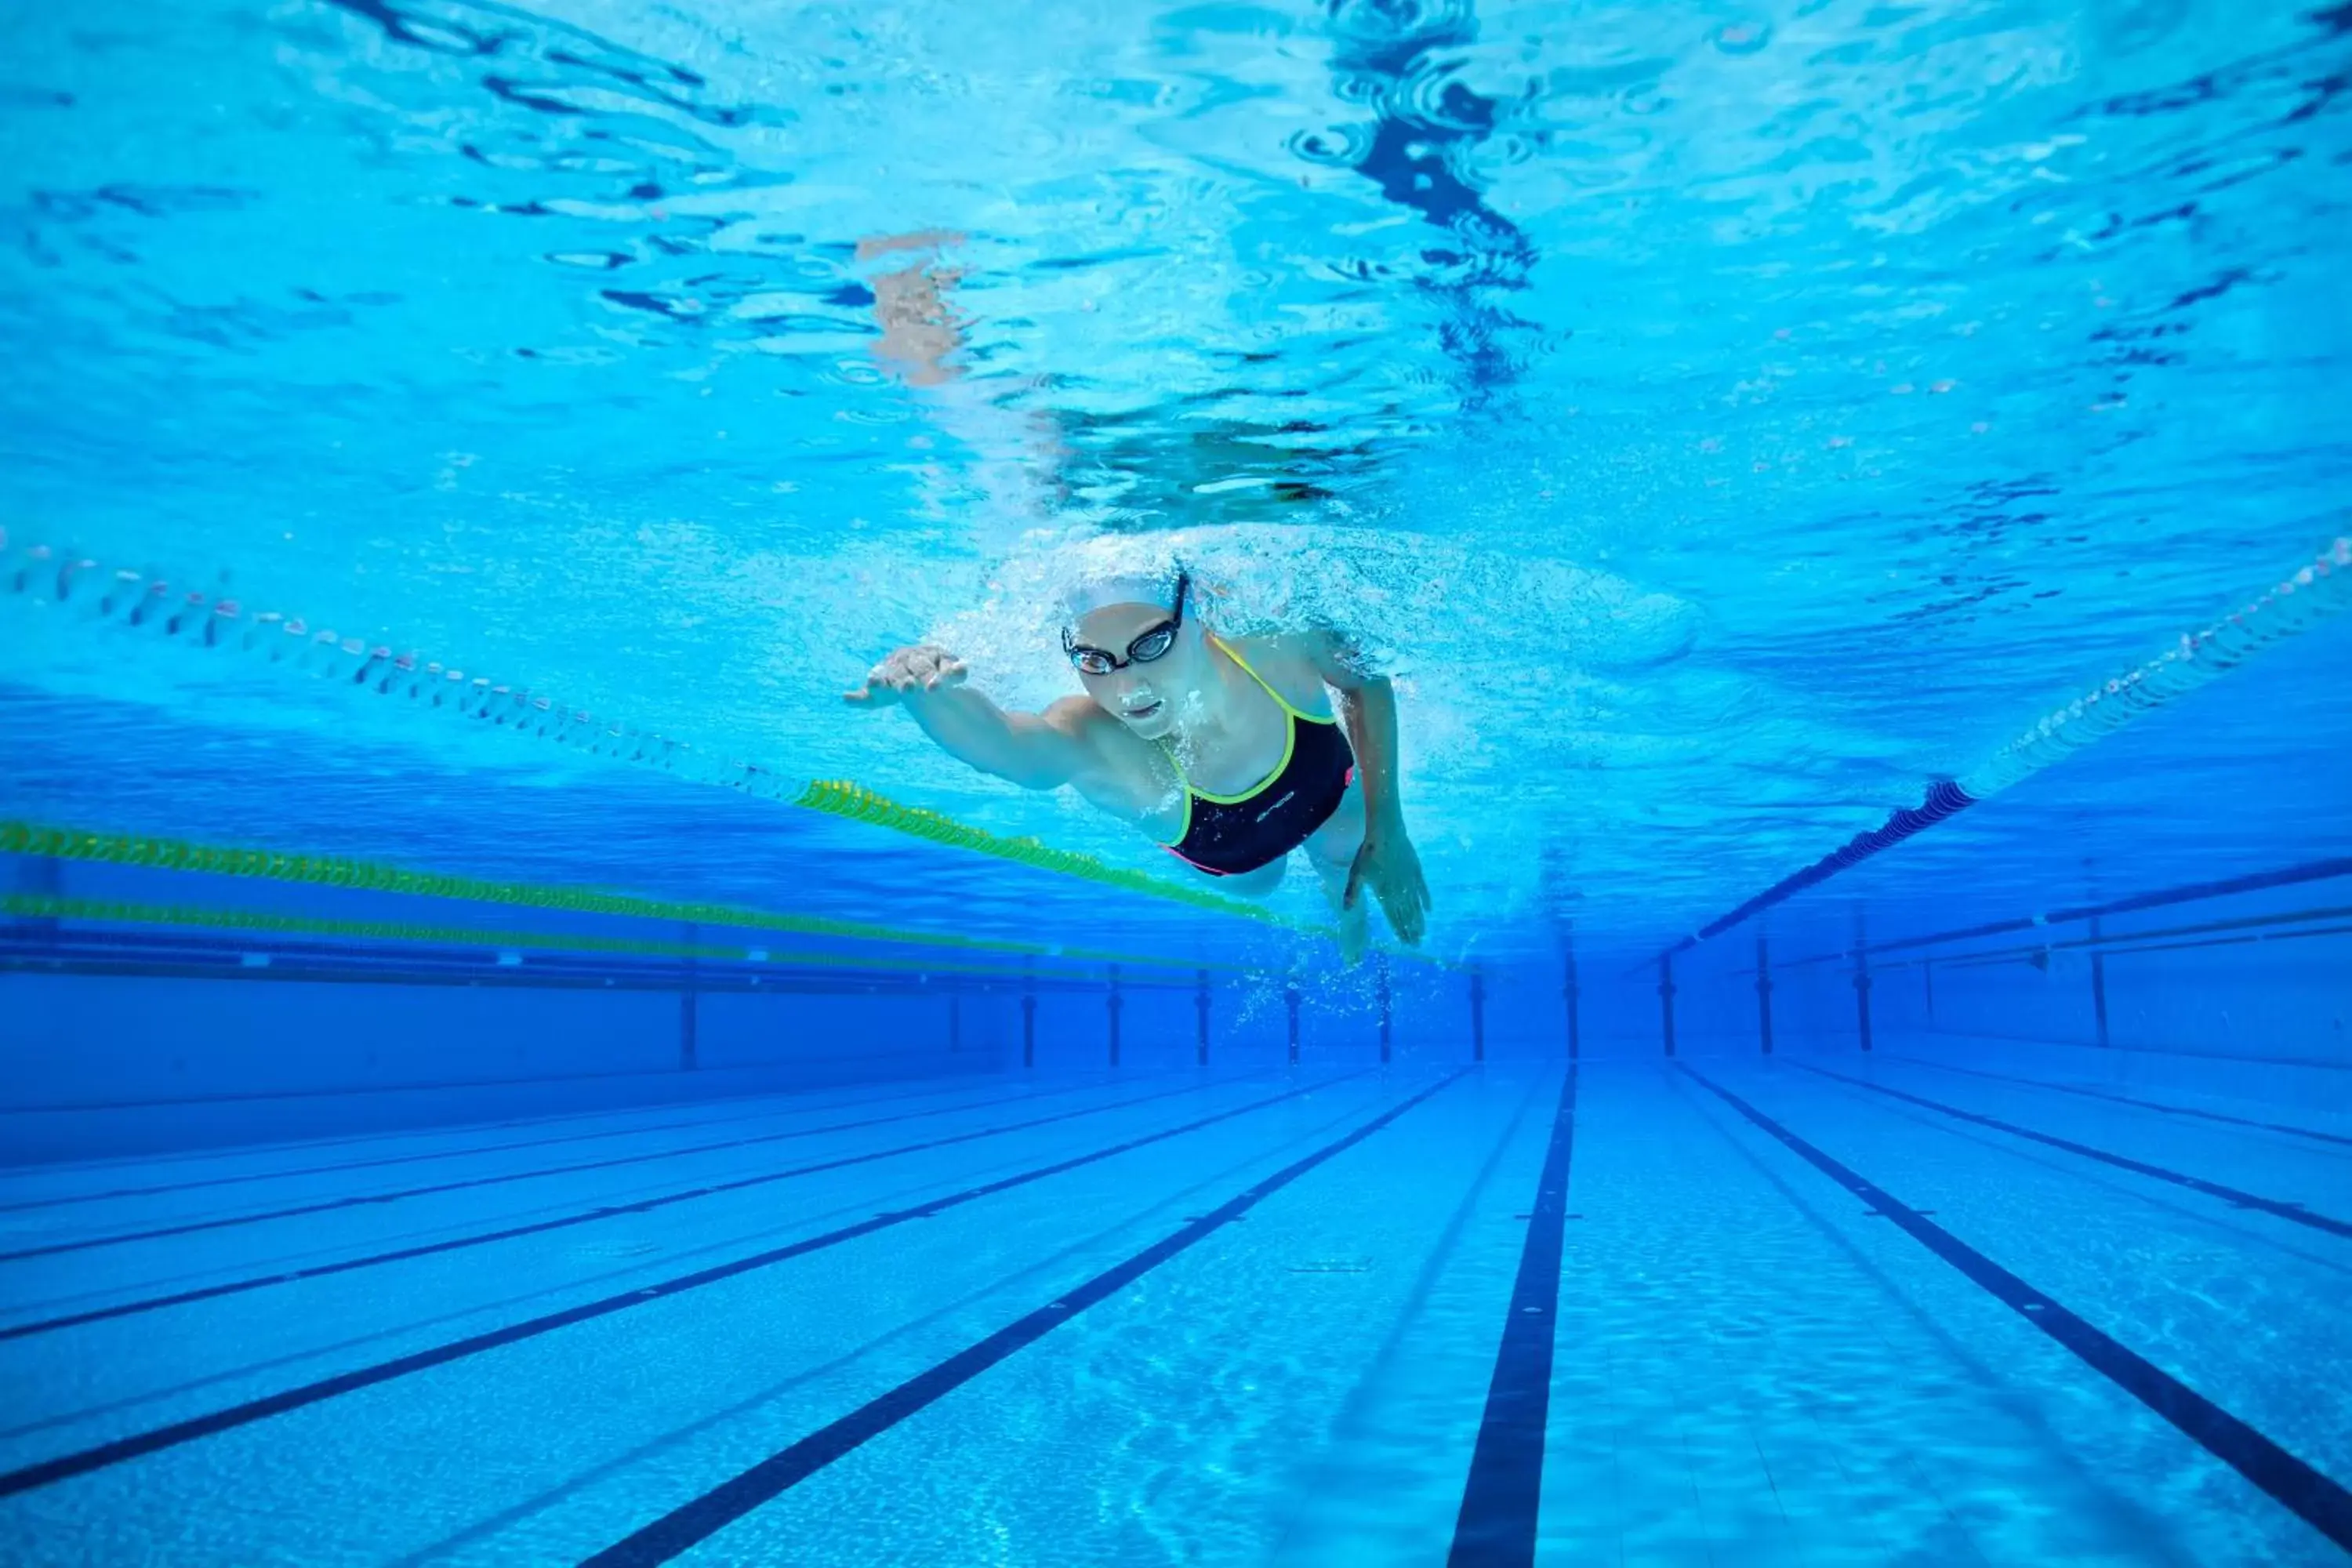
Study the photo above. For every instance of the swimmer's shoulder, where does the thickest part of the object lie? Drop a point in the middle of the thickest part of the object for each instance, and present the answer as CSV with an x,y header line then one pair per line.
x,y
1131,777
1108,742
1290,662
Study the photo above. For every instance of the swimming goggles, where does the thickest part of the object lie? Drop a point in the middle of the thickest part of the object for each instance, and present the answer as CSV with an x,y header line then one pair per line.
x,y
1153,644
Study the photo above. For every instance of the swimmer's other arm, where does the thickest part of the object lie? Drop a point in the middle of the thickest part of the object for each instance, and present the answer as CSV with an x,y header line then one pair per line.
x,y
1387,863
1036,750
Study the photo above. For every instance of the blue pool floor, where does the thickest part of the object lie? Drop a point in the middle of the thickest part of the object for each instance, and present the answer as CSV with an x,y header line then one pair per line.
x,y
1182,1317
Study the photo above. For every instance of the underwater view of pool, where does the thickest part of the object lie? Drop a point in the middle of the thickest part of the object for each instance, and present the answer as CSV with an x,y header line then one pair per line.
x,y
1372,782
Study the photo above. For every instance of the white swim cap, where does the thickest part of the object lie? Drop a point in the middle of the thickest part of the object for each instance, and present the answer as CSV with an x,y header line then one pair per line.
x,y
1094,593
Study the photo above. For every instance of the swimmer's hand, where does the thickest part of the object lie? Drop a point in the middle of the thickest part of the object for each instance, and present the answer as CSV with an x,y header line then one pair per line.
x,y
1388,864
915,669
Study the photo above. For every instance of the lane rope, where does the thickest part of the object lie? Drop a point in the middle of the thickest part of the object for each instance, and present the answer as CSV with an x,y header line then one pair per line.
x,y
104,911
2304,599
93,593
336,871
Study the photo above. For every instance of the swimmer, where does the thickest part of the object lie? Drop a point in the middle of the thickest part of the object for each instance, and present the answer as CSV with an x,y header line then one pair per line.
x,y
1230,752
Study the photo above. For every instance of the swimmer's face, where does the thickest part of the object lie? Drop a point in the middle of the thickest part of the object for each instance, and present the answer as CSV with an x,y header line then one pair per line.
x,y
1145,695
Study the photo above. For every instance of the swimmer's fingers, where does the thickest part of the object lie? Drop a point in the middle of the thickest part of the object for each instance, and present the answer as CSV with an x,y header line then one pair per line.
x,y
1406,900
881,686
1416,918
1404,913
948,671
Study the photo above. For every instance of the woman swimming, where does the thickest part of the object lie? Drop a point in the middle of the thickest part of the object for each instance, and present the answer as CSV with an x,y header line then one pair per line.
x,y
1227,751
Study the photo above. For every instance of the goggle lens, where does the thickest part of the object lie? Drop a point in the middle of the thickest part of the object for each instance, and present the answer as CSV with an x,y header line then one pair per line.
x,y
1151,645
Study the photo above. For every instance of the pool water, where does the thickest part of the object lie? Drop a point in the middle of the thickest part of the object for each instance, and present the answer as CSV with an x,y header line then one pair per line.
x,y
499,1063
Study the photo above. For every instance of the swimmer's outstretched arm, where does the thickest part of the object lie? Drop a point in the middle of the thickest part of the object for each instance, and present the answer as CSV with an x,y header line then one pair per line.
x,y
1036,750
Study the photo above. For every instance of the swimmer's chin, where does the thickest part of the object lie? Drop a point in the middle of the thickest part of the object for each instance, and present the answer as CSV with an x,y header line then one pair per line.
x,y
1151,723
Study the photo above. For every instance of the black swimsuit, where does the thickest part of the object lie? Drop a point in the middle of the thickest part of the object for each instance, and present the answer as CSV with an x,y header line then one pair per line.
x,y
1226,835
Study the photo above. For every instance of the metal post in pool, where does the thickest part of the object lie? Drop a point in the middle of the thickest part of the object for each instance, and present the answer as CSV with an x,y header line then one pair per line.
x,y
1666,998
1478,1014
1111,1002
1569,999
1201,1017
1383,975
689,1052
1862,994
1290,1004
1764,992
2098,983
1028,1014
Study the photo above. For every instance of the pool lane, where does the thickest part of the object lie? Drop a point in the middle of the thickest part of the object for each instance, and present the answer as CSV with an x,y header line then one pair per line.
x,y
65,1289
34,1188
395,1466
700,1518
1737,1383
167,1210
2204,1294
2295,1211
1167,1422
135,1369
2235,1115
1496,1527
1383,1481
2256,1159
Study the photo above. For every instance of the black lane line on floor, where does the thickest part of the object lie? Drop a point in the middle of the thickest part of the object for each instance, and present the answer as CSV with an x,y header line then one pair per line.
x,y
693,1523
170,1189
2308,1493
2244,1200
466,1183
2292,1130
561,1222
1496,1526
140,1444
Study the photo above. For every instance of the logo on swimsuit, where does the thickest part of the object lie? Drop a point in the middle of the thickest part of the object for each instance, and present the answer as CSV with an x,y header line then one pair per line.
x,y
1287,796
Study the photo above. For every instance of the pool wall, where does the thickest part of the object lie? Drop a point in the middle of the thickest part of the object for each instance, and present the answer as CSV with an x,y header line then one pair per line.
x,y
2241,996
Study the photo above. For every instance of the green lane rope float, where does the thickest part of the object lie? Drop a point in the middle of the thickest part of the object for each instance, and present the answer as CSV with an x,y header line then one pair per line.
x,y
102,911
332,871
88,590
838,797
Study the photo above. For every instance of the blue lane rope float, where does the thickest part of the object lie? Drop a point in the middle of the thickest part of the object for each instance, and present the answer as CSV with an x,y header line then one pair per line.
x,y
2303,599
132,600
